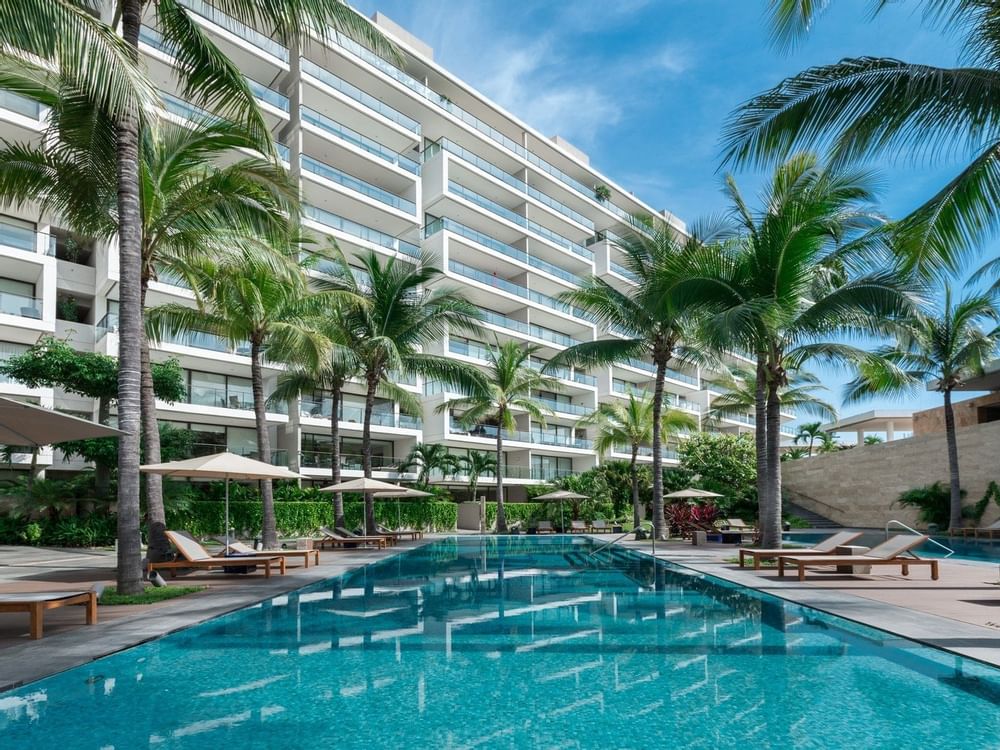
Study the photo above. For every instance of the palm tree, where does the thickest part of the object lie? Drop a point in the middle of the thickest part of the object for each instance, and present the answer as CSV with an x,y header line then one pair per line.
x,y
509,386
630,425
873,440
864,107
396,315
944,345
329,374
811,268
428,458
809,433
792,454
651,319
474,465
828,443
191,205
251,300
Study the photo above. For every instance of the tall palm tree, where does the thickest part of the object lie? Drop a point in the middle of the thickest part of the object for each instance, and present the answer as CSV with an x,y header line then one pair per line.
x,y
398,313
251,300
475,464
192,205
650,318
809,433
811,270
329,374
869,107
509,386
630,425
943,344
428,458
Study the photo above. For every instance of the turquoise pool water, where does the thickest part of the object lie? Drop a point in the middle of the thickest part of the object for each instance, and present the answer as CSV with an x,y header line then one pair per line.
x,y
520,642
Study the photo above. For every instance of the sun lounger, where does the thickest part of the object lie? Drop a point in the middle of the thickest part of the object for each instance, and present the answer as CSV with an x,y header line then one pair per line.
x,y
599,526
987,531
386,540
35,604
578,526
545,527
400,533
334,539
825,547
890,552
305,554
196,556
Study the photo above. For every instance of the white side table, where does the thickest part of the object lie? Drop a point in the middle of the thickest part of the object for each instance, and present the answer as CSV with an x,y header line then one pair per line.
x,y
852,550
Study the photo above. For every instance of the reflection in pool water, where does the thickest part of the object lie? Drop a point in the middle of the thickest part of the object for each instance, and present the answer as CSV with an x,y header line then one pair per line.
x,y
517,642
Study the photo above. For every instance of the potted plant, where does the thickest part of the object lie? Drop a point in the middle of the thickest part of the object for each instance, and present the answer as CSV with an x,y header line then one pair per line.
x,y
68,309
602,193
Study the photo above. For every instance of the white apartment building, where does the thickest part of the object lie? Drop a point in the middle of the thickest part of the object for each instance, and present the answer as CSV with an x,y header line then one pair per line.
x,y
391,159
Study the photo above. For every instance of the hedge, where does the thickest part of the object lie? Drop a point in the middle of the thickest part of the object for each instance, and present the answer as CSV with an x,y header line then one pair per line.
x,y
527,512
207,517
92,531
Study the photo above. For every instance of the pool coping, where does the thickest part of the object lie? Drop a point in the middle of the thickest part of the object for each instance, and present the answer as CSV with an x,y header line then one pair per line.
x,y
964,639
48,656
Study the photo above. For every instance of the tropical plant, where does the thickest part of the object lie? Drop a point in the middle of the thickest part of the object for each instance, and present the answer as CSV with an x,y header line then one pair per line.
x,y
809,433
509,386
395,315
648,319
428,458
864,107
792,454
873,440
474,465
812,266
933,504
829,443
943,344
629,425
253,301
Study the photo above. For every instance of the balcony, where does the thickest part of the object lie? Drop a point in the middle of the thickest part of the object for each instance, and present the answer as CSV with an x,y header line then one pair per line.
x,y
564,373
528,329
322,408
21,305
537,437
343,179
361,97
268,95
503,248
17,236
206,341
348,461
670,372
223,398
363,142
360,231
469,349
20,104
236,28
562,407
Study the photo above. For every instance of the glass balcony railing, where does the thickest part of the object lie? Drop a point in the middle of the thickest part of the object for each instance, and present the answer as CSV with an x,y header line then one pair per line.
x,y
348,461
469,349
22,105
177,106
268,95
360,231
562,407
365,99
21,305
670,399
204,340
545,334
538,437
223,398
622,271
670,372
443,144
17,236
355,138
468,233
508,286
230,24
107,324
516,218
327,172
322,408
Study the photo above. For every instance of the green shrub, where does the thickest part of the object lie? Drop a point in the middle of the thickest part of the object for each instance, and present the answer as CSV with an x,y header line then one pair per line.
x,y
89,531
933,503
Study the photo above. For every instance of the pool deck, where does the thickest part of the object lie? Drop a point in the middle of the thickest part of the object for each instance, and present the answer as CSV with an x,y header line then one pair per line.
x,y
68,642
959,612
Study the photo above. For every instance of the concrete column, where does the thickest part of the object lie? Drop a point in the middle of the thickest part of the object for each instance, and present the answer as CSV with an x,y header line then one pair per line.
x,y
890,432
861,438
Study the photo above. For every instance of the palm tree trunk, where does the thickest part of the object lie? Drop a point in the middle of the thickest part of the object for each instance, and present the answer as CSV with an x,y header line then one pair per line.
x,y
955,518
770,522
501,514
129,580
158,544
634,470
338,497
366,450
270,531
659,530
761,439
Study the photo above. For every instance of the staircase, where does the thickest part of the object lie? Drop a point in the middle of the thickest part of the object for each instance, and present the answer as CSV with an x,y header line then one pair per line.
x,y
815,520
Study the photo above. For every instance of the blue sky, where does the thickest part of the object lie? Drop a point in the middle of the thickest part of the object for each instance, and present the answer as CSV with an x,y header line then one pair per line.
x,y
643,86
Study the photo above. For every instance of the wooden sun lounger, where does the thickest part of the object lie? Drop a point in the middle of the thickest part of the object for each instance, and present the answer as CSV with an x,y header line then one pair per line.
x,y
578,526
545,527
413,534
386,540
36,603
334,539
196,556
600,527
305,554
889,552
825,547
986,531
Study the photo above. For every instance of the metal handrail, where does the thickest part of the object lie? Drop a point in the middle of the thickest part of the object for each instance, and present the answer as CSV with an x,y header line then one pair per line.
x,y
619,538
949,550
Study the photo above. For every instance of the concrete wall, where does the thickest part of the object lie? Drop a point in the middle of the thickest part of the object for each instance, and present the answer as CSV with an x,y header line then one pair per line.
x,y
967,414
858,487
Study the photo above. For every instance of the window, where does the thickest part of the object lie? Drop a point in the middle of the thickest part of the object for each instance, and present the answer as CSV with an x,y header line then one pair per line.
x,y
9,349
550,467
18,298
225,391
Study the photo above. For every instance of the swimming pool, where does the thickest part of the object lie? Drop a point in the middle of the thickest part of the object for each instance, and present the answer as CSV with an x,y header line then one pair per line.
x,y
515,642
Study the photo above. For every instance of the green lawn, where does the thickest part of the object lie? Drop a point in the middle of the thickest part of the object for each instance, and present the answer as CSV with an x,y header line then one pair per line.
x,y
151,595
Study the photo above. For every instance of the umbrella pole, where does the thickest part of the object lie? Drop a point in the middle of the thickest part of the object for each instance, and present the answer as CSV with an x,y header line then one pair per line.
x,y
226,552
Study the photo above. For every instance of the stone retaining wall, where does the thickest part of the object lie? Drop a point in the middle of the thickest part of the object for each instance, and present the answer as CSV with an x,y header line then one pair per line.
x,y
858,487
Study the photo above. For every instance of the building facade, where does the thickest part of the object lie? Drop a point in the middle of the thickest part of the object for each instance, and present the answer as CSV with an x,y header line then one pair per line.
x,y
395,159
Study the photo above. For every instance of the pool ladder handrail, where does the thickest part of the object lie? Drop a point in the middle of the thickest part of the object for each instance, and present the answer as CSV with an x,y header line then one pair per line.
x,y
949,550
617,539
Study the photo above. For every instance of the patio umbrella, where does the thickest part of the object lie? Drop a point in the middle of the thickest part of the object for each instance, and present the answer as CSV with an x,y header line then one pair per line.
x,y
407,492
220,466
34,426
367,486
692,494
561,495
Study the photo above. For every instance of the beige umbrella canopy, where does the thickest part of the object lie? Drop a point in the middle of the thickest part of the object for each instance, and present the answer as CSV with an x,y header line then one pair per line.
x,y
692,494
366,485
221,466
560,495
34,426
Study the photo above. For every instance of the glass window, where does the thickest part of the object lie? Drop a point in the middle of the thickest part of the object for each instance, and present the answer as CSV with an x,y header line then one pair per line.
x,y
239,393
241,440
207,389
